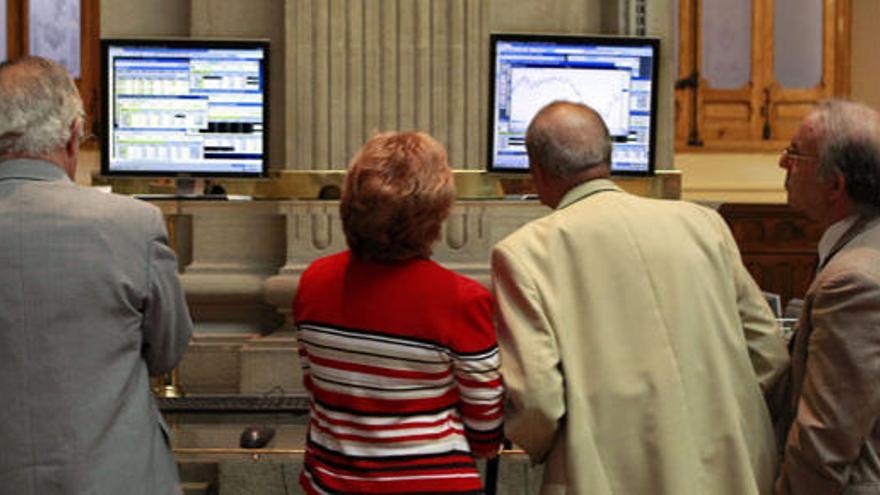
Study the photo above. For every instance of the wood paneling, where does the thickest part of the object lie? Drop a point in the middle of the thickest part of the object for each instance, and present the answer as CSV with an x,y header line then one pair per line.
x,y
13,28
777,244
88,83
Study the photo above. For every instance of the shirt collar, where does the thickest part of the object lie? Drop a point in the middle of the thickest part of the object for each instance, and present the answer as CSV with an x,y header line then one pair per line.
x,y
32,169
833,234
585,189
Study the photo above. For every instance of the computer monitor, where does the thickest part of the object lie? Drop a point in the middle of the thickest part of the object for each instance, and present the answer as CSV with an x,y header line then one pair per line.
x,y
616,76
184,108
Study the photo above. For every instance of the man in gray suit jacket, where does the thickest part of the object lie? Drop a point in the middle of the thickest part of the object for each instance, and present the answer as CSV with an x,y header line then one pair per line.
x,y
833,175
90,305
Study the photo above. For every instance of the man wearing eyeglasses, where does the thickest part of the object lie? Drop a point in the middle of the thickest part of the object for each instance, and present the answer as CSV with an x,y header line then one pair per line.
x,y
90,304
833,176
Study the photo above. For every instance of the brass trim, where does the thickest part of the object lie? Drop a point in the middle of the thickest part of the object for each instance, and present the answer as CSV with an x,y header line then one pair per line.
x,y
326,184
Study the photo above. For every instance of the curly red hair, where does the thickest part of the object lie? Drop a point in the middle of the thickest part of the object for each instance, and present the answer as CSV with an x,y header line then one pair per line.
x,y
396,196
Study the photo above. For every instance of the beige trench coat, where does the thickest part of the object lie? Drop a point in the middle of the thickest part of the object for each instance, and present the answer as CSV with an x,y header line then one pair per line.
x,y
635,347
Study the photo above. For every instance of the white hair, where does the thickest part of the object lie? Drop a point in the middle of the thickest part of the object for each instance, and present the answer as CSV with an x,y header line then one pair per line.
x,y
39,103
850,146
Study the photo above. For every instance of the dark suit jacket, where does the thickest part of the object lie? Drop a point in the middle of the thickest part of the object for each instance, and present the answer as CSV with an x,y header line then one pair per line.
x,y
90,302
834,440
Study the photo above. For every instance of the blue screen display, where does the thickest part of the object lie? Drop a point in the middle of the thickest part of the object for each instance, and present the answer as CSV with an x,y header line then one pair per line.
x,y
615,76
190,109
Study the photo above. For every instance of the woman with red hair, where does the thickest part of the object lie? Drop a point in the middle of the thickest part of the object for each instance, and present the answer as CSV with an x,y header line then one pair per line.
x,y
399,354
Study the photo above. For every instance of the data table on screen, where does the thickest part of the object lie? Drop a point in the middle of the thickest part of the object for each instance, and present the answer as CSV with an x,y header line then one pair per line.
x,y
185,107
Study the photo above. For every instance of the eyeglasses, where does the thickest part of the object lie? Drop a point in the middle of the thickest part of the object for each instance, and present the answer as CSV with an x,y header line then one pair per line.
x,y
790,154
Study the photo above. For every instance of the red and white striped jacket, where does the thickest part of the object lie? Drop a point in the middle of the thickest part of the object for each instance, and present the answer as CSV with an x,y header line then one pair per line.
x,y
402,367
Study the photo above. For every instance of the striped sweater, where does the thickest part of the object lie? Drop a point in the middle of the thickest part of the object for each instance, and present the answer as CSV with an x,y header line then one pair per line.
x,y
402,367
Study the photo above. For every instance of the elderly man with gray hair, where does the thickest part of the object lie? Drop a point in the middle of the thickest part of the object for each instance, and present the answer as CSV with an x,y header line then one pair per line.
x,y
635,347
90,306
833,175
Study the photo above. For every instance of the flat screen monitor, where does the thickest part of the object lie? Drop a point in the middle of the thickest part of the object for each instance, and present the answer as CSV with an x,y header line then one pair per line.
x,y
614,75
184,108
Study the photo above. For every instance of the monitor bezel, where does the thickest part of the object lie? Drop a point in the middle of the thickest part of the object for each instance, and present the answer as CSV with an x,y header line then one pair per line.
x,y
495,38
107,120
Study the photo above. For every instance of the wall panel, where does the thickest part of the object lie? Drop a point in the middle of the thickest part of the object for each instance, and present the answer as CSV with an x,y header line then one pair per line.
x,y
357,72
865,64
408,64
440,80
361,66
339,76
357,67
251,19
320,61
121,18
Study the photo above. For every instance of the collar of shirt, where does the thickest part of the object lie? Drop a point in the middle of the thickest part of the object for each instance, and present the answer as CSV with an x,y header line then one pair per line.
x,y
31,169
832,234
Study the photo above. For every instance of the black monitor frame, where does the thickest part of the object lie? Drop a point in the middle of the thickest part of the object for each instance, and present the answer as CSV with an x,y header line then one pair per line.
x,y
106,120
612,41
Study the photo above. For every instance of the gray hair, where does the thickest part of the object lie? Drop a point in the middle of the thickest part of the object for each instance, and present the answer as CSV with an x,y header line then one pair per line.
x,y
569,144
850,145
38,102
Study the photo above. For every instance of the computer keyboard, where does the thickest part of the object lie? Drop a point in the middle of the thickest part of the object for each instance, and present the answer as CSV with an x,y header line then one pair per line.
x,y
235,403
182,197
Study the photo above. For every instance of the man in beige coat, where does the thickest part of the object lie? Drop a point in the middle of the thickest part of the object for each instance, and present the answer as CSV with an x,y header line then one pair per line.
x,y
635,346
833,176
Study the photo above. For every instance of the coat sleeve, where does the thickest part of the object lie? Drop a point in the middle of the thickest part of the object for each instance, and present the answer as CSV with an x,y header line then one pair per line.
x,y
530,361
167,327
767,350
838,404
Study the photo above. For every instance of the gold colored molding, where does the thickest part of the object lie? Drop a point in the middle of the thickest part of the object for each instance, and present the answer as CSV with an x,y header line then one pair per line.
x,y
326,184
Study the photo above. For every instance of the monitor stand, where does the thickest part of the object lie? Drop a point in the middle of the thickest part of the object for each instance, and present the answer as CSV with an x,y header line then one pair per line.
x,y
190,187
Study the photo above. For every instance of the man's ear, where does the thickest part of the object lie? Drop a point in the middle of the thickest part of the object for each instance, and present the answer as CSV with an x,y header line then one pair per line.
x,y
537,176
837,187
535,170
76,130
71,148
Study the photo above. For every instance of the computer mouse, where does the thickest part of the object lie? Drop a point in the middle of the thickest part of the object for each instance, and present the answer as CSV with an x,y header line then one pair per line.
x,y
256,437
